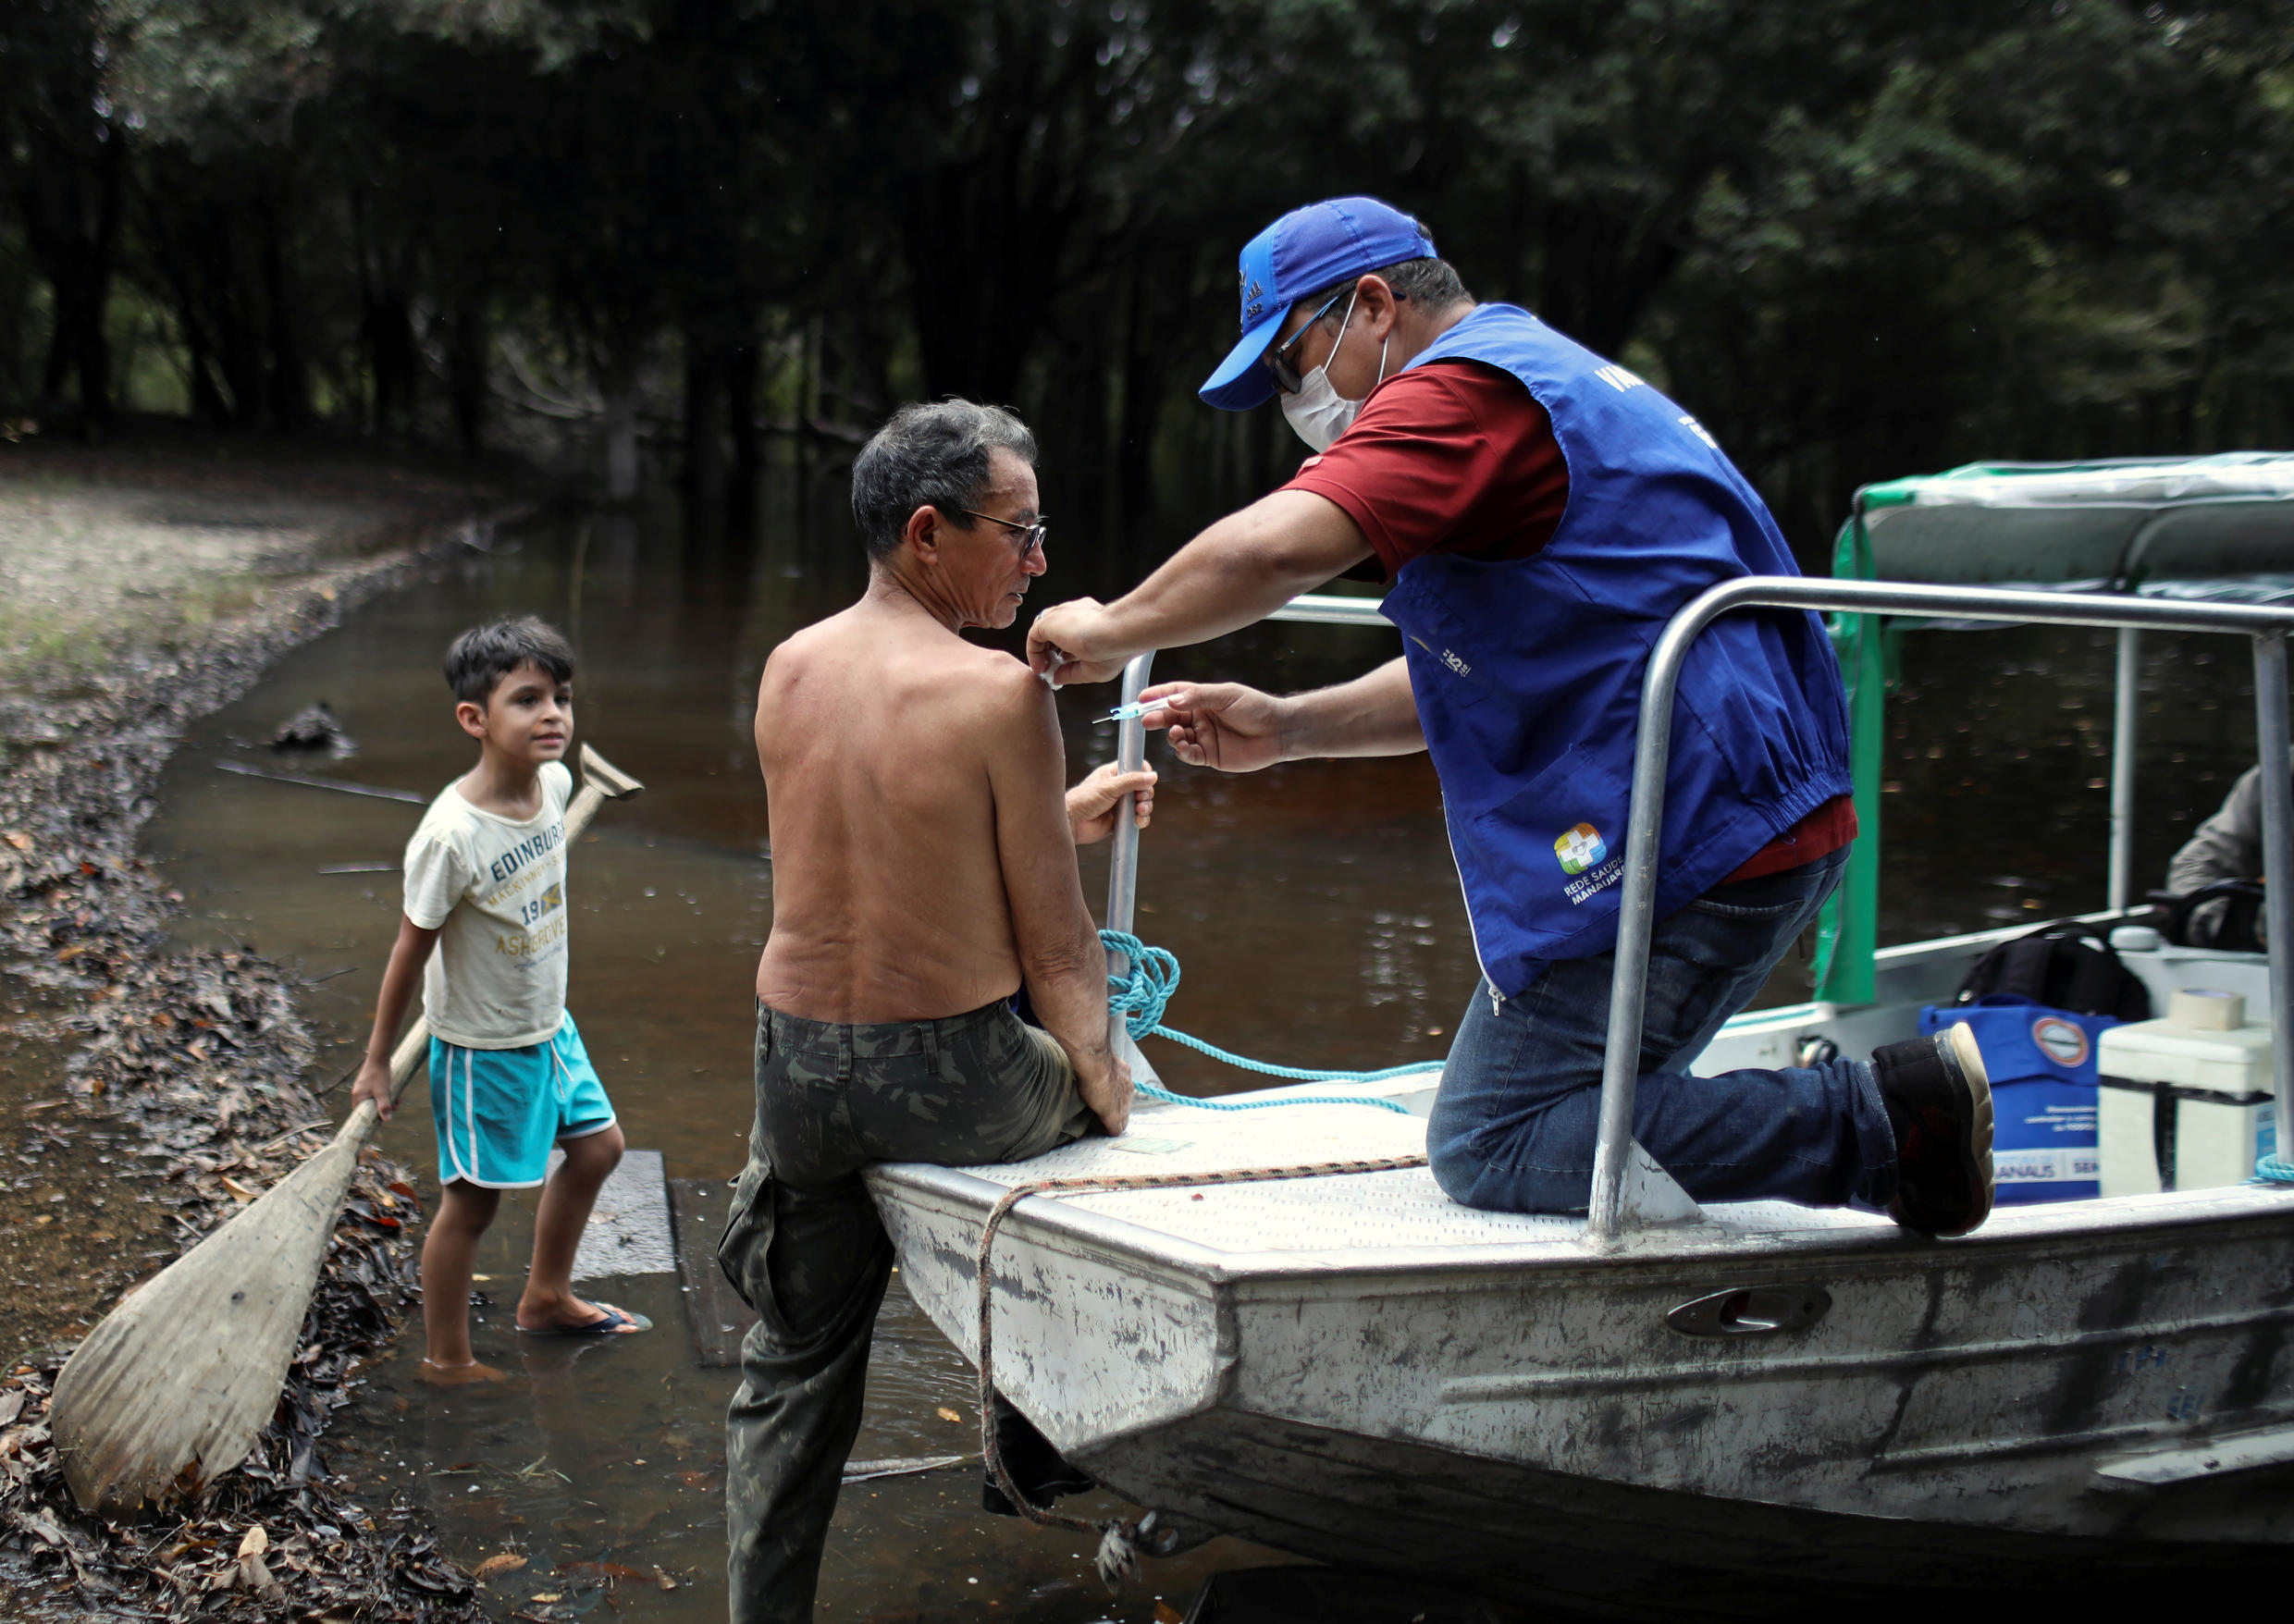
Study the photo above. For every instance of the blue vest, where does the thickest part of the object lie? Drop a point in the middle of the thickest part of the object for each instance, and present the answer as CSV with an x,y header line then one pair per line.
x,y
1527,673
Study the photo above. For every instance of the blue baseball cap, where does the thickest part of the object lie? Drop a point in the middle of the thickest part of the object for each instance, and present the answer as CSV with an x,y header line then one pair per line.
x,y
1306,250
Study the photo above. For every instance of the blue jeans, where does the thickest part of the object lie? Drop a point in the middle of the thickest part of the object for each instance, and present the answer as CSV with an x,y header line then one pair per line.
x,y
1514,1120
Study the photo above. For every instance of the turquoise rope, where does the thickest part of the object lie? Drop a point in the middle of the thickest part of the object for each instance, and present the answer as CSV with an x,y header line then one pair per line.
x,y
1140,998
2271,1170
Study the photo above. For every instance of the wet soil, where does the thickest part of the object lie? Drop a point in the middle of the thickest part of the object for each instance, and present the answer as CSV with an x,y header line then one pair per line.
x,y
147,1094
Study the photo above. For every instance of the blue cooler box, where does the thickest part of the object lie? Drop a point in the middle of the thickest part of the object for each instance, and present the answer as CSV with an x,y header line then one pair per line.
x,y
2042,1063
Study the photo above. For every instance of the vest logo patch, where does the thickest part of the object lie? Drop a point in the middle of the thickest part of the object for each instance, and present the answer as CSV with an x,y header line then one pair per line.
x,y
1463,670
1580,848
1618,378
1697,429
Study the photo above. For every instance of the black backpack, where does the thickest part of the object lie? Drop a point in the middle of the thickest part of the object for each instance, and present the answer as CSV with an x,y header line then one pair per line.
x,y
2067,966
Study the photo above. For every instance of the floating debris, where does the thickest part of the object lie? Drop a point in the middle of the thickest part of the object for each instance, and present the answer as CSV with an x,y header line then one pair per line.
x,y
313,728
341,785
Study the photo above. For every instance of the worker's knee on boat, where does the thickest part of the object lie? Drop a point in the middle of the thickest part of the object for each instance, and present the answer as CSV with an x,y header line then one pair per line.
x,y
1471,1177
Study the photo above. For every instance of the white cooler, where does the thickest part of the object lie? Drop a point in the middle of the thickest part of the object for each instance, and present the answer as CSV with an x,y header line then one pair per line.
x,y
2185,1103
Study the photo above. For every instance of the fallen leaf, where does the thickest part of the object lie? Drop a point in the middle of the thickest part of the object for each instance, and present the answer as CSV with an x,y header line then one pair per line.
x,y
18,839
546,1597
255,1542
500,1562
11,1406
693,1480
666,1583
236,1189
1167,1614
949,1415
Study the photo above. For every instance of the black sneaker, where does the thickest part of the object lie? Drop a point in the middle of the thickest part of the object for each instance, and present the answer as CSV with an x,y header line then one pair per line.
x,y
1938,1101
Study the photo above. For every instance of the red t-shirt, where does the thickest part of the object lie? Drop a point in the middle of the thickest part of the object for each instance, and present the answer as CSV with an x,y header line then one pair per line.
x,y
1457,457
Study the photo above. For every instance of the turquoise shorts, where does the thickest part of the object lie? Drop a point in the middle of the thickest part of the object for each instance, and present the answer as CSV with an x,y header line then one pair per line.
x,y
498,1112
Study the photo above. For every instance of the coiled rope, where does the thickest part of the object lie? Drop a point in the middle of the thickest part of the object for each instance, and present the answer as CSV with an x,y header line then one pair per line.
x,y
1122,1541
1140,996
2271,1170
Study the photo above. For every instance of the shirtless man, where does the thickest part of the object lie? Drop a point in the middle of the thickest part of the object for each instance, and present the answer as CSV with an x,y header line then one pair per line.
x,y
924,871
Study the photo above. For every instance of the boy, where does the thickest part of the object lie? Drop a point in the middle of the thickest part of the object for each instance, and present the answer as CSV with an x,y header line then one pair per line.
x,y
486,887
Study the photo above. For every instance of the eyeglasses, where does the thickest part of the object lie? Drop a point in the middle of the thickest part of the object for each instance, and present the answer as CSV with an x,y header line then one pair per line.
x,y
1284,368
1034,533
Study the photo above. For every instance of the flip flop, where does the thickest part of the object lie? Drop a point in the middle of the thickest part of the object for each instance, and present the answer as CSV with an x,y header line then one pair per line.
x,y
616,1322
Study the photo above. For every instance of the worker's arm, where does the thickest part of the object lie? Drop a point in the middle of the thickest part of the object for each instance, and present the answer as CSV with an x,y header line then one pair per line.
x,y
1237,571
1060,958
1237,729
409,954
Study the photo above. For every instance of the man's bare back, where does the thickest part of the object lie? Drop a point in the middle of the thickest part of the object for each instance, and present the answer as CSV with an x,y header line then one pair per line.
x,y
879,731
922,844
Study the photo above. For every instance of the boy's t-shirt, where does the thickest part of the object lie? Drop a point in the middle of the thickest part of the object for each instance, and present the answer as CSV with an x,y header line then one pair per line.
x,y
498,888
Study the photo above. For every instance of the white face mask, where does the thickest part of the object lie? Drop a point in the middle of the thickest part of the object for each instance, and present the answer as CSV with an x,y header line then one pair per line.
x,y
1318,413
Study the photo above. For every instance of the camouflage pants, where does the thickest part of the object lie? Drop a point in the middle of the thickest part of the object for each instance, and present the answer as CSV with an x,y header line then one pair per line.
x,y
804,1247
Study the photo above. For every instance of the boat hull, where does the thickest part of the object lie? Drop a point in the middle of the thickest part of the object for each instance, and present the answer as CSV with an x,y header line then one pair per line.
x,y
2032,1408
1526,1535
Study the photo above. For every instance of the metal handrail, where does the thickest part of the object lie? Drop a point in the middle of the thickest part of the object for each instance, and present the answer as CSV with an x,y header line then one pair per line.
x,y
1638,899
1310,609
1123,851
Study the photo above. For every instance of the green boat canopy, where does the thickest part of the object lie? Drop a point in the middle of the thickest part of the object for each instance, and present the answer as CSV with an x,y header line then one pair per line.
x,y
2134,524
2214,527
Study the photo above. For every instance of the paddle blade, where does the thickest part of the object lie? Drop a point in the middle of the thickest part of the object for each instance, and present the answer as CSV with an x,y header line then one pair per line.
x,y
171,1388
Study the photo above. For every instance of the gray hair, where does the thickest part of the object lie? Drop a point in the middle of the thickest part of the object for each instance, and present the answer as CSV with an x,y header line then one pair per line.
x,y
933,455
1432,282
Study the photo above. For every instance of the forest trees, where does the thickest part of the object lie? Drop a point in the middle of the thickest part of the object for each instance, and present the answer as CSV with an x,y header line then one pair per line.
x,y
1858,238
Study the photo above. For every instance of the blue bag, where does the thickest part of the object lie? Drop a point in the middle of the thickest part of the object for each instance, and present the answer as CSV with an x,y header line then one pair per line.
x,y
2042,1063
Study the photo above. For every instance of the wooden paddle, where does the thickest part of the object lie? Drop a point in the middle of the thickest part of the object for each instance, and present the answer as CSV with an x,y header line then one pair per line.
x,y
171,1388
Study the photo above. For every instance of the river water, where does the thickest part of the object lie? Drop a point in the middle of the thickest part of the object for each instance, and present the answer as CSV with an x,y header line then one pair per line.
x,y
1313,907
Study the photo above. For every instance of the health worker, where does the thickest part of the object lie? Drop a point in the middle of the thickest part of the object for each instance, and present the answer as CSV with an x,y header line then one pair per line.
x,y
1539,514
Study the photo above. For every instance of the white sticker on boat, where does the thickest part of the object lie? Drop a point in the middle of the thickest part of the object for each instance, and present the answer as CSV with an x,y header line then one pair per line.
x,y
2060,1040
1150,1147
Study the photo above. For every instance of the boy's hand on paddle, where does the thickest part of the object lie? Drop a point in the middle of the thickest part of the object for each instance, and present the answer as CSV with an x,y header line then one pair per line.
x,y
1224,725
1091,803
374,1083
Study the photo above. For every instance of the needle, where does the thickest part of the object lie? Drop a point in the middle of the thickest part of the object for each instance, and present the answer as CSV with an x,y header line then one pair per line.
x,y
1133,713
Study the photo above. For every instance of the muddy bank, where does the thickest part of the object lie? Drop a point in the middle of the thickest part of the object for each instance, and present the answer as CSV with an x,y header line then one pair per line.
x,y
146,1095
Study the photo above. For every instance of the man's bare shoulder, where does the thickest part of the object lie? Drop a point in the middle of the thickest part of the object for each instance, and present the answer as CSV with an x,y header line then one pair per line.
x,y
1006,686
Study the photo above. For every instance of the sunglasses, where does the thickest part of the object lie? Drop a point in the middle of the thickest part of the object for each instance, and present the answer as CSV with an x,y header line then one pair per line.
x,y
1283,363
1033,533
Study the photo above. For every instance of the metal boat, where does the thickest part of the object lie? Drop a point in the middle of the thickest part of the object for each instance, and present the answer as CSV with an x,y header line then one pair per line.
x,y
1659,1407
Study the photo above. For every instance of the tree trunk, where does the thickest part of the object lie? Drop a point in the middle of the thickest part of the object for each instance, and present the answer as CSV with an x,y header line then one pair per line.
x,y
394,361
465,375
743,370
618,383
288,394
702,477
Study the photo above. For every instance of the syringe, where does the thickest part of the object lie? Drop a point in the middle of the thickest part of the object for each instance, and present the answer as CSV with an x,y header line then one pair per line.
x,y
1134,712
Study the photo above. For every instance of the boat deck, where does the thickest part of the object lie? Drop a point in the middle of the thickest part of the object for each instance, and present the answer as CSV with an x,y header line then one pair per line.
x,y
1401,1218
